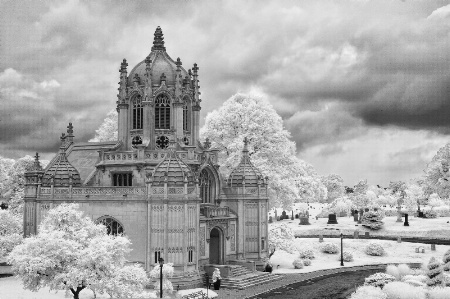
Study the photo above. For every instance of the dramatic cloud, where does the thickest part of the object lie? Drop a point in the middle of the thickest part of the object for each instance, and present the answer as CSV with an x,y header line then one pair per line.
x,y
336,71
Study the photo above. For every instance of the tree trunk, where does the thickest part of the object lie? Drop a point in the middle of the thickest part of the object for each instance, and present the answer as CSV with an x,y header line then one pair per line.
x,y
76,294
271,253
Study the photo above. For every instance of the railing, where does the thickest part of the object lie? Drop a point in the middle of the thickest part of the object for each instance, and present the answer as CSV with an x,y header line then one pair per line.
x,y
77,191
214,211
148,155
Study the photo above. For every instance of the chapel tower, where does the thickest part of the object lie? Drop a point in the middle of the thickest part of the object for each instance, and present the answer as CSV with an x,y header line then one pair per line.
x,y
158,101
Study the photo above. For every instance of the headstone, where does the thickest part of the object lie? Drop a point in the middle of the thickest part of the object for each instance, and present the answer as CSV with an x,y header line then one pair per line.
x,y
317,217
283,215
366,210
417,250
399,239
406,220
332,219
292,217
420,214
355,234
304,221
320,238
270,219
366,234
375,209
355,215
433,247
423,250
278,218
296,216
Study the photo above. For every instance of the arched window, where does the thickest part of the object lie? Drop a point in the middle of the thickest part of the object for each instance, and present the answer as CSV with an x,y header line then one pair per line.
x,y
207,186
138,112
186,115
162,112
112,225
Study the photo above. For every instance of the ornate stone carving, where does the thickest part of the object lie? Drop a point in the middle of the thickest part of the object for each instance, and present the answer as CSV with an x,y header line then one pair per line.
x,y
202,241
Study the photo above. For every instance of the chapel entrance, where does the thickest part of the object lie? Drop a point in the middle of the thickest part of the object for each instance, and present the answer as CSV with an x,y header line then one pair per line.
x,y
216,247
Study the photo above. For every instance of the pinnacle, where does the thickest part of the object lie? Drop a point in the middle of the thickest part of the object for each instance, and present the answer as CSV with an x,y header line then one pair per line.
x,y
158,41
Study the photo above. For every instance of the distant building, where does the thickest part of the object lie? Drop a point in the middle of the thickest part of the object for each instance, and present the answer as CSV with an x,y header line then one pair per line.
x,y
157,184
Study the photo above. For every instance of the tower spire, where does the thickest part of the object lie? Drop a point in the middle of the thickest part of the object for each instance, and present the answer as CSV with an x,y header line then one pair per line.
x,y
158,41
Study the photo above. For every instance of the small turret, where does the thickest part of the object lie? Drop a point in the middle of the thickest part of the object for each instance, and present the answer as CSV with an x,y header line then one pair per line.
x,y
158,41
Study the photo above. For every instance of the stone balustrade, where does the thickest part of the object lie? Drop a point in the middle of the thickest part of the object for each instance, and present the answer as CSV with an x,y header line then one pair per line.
x,y
210,211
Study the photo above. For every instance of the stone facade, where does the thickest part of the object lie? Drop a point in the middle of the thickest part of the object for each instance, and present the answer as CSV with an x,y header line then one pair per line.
x,y
157,184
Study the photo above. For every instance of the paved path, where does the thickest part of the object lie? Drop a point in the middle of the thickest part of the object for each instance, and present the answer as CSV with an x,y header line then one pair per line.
x,y
294,278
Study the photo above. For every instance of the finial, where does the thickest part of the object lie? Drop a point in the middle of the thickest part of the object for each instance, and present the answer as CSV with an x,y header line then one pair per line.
x,y
195,68
63,137
70,129
123,66
158,41
136,78
178,63
245,144
190,72
163,78
148,60
36,157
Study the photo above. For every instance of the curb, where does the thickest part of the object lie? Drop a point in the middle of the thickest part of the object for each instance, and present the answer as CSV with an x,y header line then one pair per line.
x,y
404,239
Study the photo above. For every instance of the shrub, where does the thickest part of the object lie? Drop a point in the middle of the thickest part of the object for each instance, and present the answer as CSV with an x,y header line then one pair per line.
x,y
430,214
439,293
366,292
434,273
298,264
420,278
348,256
403,269
378,280
306,254
374,249
393,270
446,260
329,248
306,262
403,290
372,220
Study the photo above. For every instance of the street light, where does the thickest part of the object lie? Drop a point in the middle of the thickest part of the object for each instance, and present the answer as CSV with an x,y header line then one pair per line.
x,y
342,249
161,263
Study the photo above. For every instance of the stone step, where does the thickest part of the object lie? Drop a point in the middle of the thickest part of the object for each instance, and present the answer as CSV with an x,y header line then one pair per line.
x,y
248,280
184,282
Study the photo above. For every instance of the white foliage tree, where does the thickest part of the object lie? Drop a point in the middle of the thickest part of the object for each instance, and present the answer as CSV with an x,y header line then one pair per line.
x,y
73,253
270,148
335,186
167,272
281,237
414,196
435,201
342,204
108,129
437,173
11,229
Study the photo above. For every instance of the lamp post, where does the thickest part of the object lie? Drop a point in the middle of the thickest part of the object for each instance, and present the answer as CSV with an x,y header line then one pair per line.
x,y
342,249
161,263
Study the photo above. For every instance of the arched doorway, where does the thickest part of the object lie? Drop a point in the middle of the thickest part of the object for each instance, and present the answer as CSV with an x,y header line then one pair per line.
x,y
216,246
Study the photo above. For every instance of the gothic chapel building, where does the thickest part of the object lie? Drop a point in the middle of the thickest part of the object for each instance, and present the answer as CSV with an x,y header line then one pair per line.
x,y
157,184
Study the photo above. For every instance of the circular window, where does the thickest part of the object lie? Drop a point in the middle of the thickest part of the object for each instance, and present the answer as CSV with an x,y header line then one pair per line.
x,y
136,140
186,141
162,142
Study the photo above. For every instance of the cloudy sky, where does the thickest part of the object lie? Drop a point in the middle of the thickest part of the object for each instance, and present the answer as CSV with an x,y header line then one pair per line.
x,y
363,86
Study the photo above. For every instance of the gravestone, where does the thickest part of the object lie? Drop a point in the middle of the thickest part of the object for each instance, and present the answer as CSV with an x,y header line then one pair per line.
x,y
292,217
304,220
270,219
278,218
356,234
420,214
296,216
283,215
332,219
406,220
366,210
433,247
355,215
366,234
320,238
399,239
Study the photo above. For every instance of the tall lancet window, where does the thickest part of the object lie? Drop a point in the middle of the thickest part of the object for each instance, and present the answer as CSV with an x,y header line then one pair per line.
x,y
185,116
137,112
162,112
207,186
